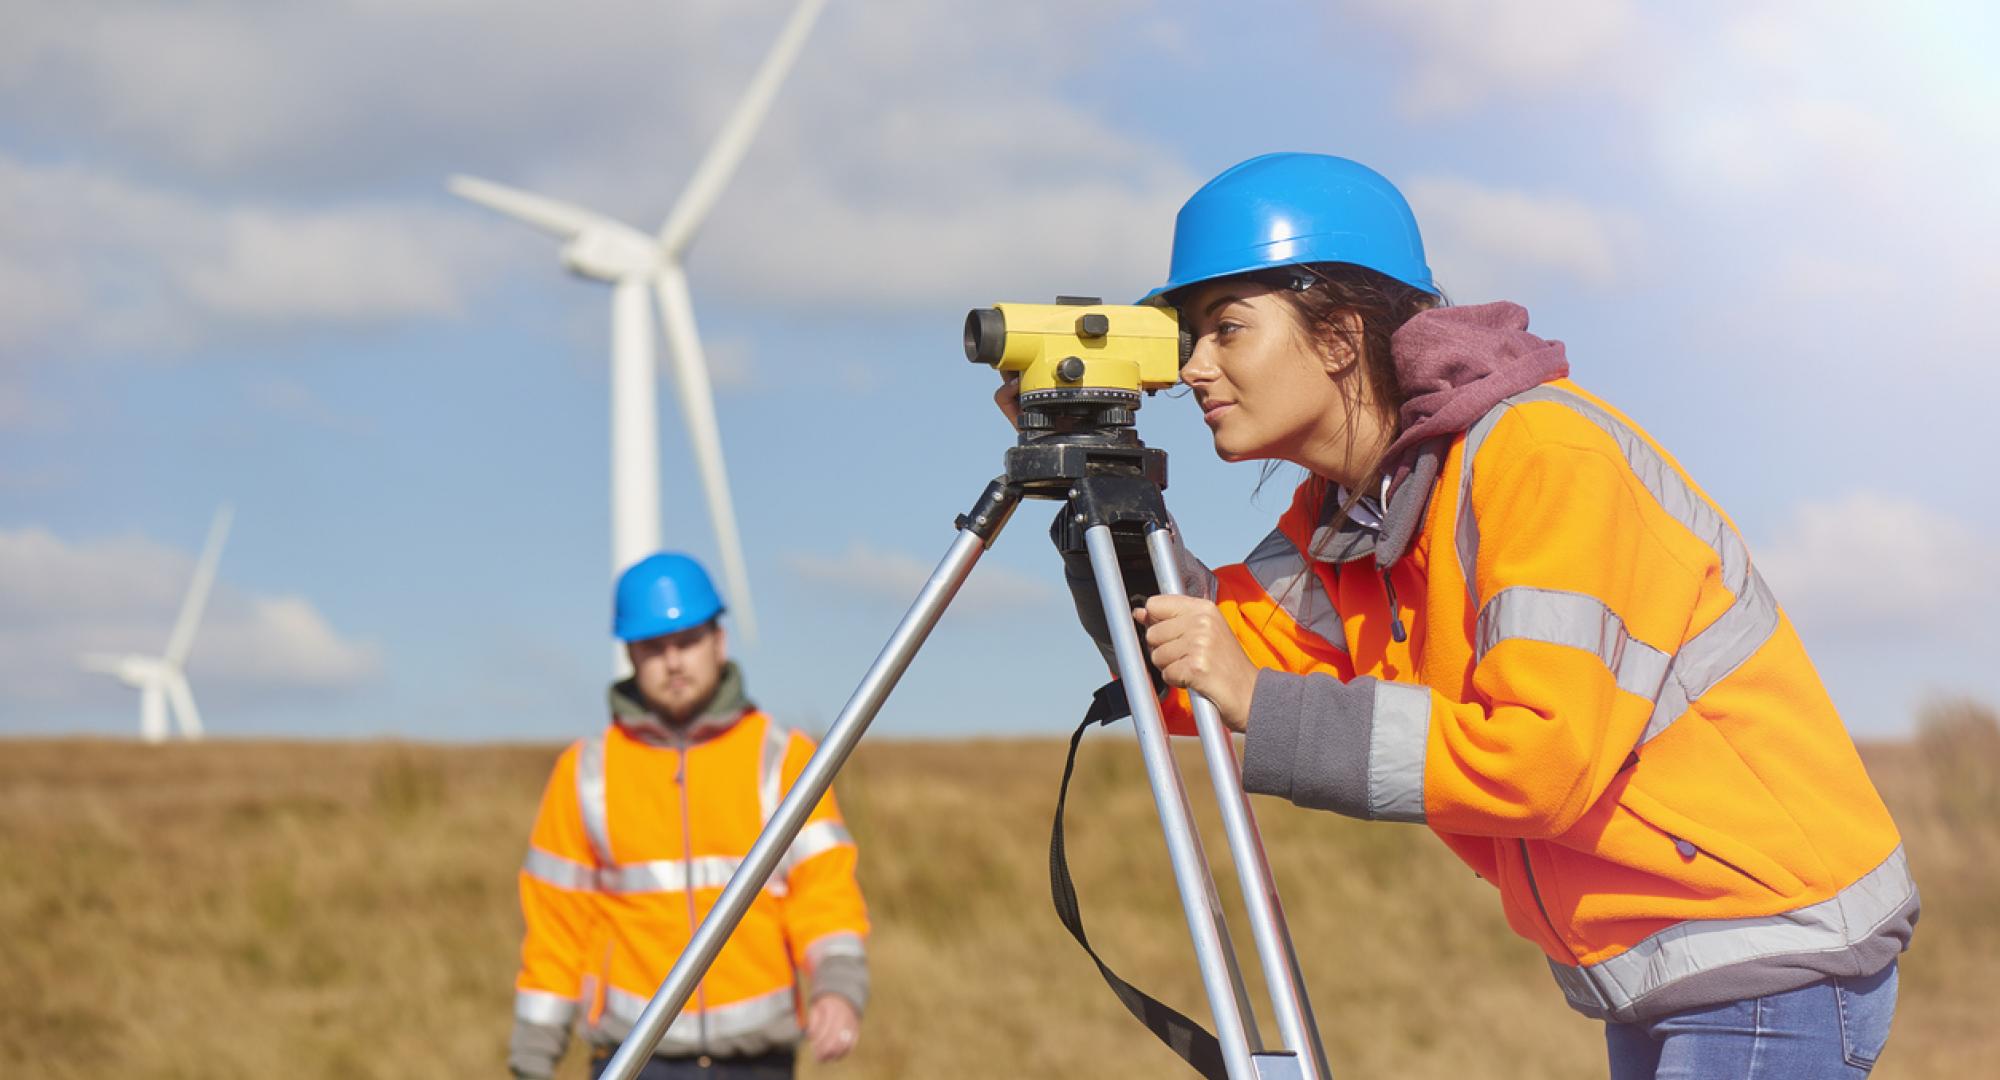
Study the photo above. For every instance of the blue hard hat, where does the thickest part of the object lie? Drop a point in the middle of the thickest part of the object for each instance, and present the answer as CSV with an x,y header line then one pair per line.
x,y
662,594
1282,209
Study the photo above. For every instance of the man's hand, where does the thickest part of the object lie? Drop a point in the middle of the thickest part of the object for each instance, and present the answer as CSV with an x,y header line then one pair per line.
x,y
1193,648
832,1027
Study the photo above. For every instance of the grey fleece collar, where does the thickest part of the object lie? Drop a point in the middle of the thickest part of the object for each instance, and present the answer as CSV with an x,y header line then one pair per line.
x,y
1400,515
730,701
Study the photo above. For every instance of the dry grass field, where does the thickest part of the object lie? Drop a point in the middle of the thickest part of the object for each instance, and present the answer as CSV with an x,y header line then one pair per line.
x,y
346,911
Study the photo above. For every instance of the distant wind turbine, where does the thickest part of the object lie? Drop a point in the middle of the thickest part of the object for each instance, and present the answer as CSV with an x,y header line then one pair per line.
x,y
604,249
162,680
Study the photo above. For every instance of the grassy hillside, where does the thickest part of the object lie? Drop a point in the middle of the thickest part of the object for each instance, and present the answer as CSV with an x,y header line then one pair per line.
x,y
347,911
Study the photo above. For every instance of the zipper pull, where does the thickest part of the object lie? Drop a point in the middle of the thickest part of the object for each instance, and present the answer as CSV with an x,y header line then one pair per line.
x,y
1396,629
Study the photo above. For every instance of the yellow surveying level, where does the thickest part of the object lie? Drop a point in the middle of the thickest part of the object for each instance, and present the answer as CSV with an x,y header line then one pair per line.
x,y
1078,343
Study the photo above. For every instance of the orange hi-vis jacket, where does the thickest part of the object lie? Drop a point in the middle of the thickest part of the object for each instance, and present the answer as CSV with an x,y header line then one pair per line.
x,y
1574,675
639,830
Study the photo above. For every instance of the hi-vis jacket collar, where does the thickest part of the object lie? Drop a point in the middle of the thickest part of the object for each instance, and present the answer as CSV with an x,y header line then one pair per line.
x,y
730,704
1455,364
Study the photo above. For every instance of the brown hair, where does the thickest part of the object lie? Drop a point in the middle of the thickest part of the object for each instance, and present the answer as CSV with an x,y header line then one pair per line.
x,y
1319,295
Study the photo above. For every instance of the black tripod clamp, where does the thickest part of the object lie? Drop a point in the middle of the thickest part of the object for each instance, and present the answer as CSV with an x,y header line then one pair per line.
x,y
1132,507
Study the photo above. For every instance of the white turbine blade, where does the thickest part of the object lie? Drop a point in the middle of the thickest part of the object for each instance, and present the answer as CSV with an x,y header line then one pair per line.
x,y
182,699
734,140
197,594
549,215
698,408
152,712
102,663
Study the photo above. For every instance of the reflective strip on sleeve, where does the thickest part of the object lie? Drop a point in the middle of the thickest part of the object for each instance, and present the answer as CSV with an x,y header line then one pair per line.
x,y
771,774
590,797
1578,621
1617,985
839,943
815,839
558,871
543,1007
773,1010
1288,577
1735,635
669,875
1397,736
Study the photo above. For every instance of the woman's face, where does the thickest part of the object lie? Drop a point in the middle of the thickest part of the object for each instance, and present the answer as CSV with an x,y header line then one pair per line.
x,y
1266,390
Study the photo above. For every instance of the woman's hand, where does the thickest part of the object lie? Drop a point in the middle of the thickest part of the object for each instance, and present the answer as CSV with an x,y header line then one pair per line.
x,y
1008,397
1193,648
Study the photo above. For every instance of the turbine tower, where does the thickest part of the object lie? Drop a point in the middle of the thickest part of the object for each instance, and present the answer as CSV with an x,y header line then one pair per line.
x,y
634,263
161,680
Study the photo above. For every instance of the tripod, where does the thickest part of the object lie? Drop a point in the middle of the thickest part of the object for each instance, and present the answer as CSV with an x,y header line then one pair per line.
x,y
1078,446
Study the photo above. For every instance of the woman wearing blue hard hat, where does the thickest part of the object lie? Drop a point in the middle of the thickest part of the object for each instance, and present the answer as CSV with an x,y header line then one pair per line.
x,y
1497,608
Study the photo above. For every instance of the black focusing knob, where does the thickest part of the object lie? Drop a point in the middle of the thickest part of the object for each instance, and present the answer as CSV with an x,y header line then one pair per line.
x,y
1094,325
1070,369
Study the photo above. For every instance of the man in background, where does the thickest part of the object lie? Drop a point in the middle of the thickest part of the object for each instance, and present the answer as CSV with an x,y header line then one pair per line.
x,y
640,828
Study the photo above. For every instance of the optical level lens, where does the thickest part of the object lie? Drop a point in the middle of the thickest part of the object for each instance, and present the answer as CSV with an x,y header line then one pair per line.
x,y
985,335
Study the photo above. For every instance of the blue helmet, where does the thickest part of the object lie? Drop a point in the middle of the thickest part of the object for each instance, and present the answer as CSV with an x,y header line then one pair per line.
x,y
1281,209
662,594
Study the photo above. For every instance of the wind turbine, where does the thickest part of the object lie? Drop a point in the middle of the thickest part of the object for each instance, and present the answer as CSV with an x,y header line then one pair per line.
x,y
161,681
603,249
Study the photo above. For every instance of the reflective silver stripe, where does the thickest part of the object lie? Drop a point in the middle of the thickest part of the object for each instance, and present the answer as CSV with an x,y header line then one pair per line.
x,y
542,1007
818,838
590,797
1847,919
771,777
1288,577
1711,655
722,1021
1578,621
838,943
1735,635
1468,525
558,871
669,875
815,839
1396,738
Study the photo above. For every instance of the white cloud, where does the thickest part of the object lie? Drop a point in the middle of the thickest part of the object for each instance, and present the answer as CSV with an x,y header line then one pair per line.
x,y
298,124
1471,52
892,576
1482,240
23,410
296,402
1883,563
112,261
59,598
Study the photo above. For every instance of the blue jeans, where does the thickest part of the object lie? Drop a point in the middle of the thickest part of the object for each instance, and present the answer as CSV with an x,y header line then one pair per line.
x,y
772,1066
1831,1030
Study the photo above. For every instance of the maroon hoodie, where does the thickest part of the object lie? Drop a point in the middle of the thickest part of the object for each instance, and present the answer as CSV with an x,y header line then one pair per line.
x,y
1456,363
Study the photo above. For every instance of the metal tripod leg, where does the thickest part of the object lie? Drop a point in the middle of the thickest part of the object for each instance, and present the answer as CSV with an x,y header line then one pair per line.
x,y
977,531
1253,869
1197,890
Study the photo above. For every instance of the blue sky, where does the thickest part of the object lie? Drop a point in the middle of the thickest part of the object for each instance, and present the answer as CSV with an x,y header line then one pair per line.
x,y
229,271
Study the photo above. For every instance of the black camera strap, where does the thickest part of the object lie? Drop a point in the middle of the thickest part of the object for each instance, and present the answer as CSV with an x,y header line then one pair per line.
x,y
1183,1036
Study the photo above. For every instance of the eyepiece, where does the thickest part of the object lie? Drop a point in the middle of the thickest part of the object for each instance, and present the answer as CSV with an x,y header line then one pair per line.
x,y
985,335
